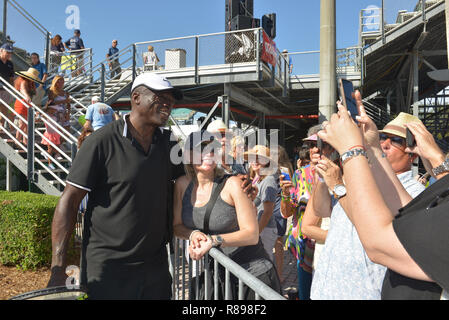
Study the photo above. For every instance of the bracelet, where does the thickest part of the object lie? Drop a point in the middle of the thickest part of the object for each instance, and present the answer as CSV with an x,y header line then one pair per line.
x,y
191,234
358,147
352,154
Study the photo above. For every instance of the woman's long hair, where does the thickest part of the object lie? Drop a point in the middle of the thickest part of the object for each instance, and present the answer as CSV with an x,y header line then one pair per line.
x,y
55,39
284,161
53,91
190,170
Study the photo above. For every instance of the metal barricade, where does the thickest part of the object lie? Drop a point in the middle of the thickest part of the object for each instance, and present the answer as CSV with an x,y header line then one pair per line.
x,y
186,275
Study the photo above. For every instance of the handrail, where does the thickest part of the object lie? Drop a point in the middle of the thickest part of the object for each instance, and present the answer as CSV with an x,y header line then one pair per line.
x,y
52,123
29,17
18,95
199,35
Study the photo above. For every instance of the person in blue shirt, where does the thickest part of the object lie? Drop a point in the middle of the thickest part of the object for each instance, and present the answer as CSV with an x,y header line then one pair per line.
x,y
76,45
112,56
99,114
43,75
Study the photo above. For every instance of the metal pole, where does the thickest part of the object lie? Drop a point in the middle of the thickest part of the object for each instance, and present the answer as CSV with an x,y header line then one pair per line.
x,y
103,81
9,175
328,76
134,62
47,49
447,30
382,24
5,19
197,55
30,148
225,110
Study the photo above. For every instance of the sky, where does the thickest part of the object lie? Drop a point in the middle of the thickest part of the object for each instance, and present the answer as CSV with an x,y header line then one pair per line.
x,y
101,21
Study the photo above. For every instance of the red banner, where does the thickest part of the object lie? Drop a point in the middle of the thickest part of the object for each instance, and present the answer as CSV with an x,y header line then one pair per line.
x,y
269,53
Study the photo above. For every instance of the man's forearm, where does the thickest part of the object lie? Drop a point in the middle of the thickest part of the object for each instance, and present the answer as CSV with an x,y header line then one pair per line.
x,y
63,225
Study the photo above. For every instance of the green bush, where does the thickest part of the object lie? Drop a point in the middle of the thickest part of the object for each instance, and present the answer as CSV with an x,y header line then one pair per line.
x,y
25,229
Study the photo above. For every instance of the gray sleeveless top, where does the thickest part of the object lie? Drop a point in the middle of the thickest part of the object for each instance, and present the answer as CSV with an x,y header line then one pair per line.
x,y
223,219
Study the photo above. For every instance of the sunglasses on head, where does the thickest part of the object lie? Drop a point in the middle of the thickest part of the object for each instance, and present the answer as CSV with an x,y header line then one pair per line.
x,y
395,140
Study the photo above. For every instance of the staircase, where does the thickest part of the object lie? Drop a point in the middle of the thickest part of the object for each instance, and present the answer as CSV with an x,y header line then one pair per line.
x,y
96,80
31,158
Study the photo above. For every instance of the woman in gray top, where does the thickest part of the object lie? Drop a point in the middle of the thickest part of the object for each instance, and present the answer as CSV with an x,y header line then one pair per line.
x,y
232,224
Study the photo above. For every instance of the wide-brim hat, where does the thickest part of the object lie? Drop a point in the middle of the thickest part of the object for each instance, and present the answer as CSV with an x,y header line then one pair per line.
x,y
259,152
397,126
156,83
31,74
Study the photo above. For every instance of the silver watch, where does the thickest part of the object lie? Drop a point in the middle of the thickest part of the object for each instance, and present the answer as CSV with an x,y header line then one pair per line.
x,y
444,167
339,191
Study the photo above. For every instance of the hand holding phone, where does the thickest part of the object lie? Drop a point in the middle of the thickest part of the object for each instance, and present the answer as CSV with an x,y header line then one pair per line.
x,y
285,173
410,139
346,90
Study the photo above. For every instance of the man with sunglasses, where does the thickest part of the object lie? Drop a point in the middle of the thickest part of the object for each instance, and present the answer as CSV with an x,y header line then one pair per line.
x,y
393,142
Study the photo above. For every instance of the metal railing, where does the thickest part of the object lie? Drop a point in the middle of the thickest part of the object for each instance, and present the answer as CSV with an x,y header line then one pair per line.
x,y
32,133
186,276
93,80
375,22
70,64
349,60
36,25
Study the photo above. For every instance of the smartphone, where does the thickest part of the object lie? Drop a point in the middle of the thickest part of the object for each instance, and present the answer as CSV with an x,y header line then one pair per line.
x,y
346,90
410,139
319,145
285,173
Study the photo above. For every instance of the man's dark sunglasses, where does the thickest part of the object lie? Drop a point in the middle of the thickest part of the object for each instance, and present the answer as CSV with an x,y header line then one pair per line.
x,y
398,141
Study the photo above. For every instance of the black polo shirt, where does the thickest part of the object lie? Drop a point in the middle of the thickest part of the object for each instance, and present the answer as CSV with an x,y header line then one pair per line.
x,y
127,219
423,229
6,70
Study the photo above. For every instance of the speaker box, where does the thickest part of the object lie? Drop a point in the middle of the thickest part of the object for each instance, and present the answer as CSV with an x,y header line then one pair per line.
x,y
235,8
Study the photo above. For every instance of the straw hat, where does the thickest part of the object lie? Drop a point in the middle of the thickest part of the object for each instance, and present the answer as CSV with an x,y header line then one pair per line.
x,y
396,127
259,152
30,74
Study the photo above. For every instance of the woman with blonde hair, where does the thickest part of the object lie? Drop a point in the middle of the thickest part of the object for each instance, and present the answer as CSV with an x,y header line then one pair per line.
x,y
59,100
212,210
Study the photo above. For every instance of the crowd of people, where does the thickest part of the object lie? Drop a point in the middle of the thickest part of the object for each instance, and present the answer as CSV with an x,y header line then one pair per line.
x,y
339,213
346,205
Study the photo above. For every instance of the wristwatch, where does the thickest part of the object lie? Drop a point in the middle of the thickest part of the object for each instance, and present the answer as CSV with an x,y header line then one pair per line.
x,y
217,241
444,167
339,191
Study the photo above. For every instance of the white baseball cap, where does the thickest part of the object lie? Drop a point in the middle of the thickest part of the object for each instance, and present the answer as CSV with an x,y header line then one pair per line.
x,y
217,126
156,82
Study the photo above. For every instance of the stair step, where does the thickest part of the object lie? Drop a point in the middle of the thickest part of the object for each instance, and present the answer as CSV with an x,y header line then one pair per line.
x,y
54,171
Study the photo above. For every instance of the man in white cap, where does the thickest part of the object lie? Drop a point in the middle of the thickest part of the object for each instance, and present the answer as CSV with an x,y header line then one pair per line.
x,y
99,114
224,135
126,169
